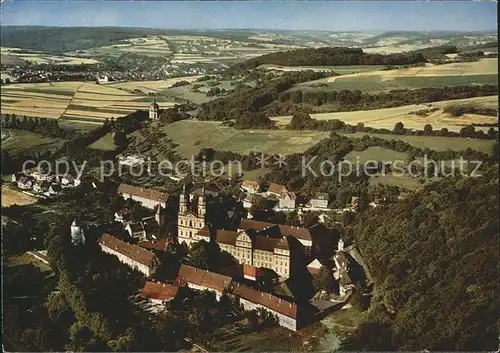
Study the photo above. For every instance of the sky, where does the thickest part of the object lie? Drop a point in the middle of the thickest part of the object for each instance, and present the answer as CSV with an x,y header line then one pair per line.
x,y
284,15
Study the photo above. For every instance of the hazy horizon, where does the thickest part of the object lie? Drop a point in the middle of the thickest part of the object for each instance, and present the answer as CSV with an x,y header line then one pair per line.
x,y
330,16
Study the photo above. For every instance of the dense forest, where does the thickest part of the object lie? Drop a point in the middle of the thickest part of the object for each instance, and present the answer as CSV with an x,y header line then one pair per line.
x,y
328,57
434,258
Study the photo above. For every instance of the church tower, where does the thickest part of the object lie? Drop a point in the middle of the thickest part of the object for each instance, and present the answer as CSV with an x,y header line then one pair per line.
x,y
77,236
183,201
159,216
202,206
340,245
153,110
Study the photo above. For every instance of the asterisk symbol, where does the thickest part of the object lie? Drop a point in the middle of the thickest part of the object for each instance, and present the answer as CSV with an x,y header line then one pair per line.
x,y
262,160
280,160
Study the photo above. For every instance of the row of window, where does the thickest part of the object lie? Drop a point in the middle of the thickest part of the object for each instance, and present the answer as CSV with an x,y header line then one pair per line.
x,y
185,222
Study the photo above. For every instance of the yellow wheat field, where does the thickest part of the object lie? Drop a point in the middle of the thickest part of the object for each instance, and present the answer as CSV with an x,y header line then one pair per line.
x,y
388,117
12,197
487,66
152,85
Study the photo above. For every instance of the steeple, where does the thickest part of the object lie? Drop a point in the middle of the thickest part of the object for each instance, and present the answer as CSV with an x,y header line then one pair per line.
x,y
153,110
159,216
183,200
201,203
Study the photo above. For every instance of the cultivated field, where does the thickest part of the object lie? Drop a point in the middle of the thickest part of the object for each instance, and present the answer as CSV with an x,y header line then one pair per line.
x,y
150,86
484,71
13,197
194,135
87,102
18,55
185,49
388,117
344,70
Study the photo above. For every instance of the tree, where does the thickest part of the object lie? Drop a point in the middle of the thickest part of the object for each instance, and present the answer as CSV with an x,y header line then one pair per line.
x,y
359,301
252,318
120,138
296,97
347,218
399,128
323,280
428,129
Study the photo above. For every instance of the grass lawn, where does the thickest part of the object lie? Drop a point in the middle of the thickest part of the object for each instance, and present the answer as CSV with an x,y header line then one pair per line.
x,y
25,259
194,135
404,182
17,141
376,153
105,143
269,339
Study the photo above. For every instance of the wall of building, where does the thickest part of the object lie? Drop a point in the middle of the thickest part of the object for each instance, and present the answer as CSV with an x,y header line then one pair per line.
x,y
283,320
128,261
319,203
145,202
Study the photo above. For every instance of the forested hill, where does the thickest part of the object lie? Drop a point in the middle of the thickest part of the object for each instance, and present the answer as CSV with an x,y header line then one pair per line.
x,y
434,258
56,39
329,57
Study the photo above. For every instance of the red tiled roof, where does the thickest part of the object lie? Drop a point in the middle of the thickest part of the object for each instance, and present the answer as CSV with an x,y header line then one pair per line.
x,y
265,299
277,188
249,270
160,291
204,232
250,184
149,194
296,232
265,243
203,278
216,281
188,274
131,251
246,224
226,237
160,244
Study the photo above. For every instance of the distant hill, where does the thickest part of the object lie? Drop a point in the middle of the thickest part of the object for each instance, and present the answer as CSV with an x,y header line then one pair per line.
x,y
58,40
64,39
329,56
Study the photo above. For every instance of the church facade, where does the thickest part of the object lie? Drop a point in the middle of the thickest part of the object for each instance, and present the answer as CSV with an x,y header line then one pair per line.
x,y
254,243
190,223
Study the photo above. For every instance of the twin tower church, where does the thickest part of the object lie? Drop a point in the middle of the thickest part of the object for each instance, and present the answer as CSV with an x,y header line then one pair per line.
x,y
190,222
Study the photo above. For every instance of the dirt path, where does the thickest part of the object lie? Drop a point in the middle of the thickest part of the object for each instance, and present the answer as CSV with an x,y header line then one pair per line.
x,y
70,101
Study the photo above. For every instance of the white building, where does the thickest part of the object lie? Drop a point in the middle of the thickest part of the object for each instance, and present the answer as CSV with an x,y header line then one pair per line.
x,y
136,230
287,201
153,110
199,279
131,161
132,255
320,200
250,186
251,299
147,197
77,235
